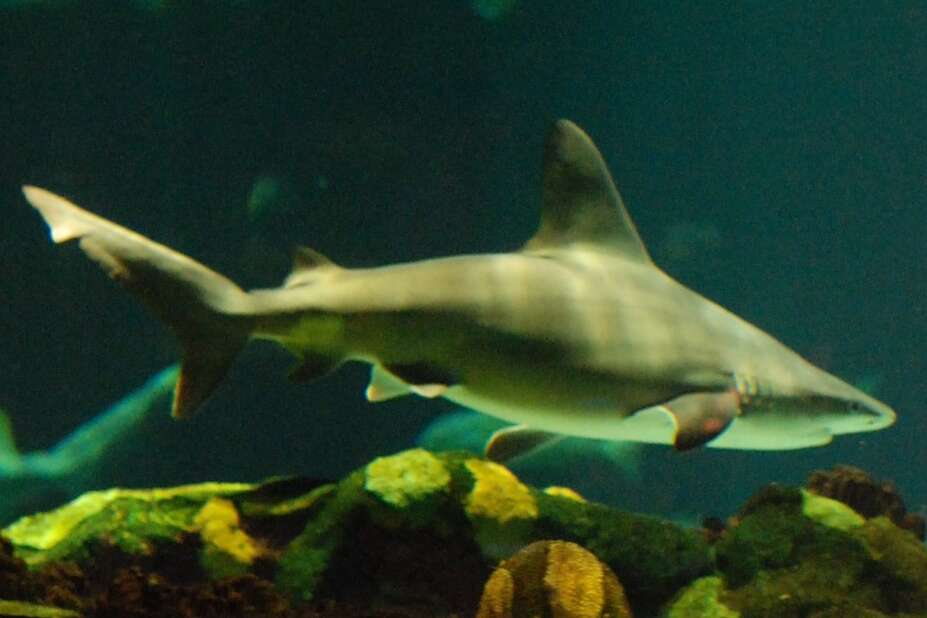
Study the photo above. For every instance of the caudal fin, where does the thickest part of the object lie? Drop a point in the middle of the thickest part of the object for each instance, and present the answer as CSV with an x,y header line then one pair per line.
x,y
206,311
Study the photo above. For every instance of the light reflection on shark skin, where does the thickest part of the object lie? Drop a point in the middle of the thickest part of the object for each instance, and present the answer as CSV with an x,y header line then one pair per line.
x,y
43,478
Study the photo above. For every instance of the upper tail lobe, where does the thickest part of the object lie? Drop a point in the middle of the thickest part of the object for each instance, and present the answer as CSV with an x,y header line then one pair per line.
x,y
207,312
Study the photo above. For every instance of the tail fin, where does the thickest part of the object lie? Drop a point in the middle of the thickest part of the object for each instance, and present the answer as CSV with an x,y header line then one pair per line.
x,y
206,311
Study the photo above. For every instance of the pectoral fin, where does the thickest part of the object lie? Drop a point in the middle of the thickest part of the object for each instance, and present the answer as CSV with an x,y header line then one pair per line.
x,y
701,417
510,442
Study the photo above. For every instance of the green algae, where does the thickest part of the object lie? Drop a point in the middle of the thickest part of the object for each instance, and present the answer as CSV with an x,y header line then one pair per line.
x,y
132,520
21,609
829,512
793,555
701,600
416,522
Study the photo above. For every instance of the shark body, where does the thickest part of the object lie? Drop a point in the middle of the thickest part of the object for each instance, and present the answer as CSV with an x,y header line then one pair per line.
x,y
578,333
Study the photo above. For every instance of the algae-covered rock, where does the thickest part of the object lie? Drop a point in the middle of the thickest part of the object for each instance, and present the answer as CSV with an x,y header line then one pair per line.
x,y
797,554
372,535
134,521
417,526
701,599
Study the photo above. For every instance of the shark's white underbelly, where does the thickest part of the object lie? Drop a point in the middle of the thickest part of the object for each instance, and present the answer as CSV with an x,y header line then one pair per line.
x,y
653,424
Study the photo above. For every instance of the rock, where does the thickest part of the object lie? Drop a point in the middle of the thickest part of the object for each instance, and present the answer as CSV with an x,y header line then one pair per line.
x,y
867,496
384,529
553,578
793,553
416,530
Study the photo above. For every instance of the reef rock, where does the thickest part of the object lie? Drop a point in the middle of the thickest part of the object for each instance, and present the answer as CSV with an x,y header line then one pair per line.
x,y
865,495
415,534
793,553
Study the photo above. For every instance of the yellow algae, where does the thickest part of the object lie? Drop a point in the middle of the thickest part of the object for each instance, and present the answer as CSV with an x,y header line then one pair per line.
x,y
575,581
45,530
830,512
564,492
219,526
407,477
498,494
498,594
300,503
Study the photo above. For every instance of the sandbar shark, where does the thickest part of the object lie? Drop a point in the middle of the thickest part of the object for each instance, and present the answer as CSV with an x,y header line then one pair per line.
x,y
576,333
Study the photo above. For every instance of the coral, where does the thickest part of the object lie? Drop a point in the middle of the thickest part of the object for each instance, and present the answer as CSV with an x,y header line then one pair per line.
x,y
652,558
130,518
501,509
563,492
415,530
554,578
498,494
228,550
795,554
701,599
867,496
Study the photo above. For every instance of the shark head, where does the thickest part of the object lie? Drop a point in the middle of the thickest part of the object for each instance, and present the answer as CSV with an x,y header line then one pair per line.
x,y
845,409
807,410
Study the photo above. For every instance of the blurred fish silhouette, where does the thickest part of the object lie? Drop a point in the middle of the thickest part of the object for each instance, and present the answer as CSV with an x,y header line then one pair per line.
x,y
494,10
68,468
578,333
470,431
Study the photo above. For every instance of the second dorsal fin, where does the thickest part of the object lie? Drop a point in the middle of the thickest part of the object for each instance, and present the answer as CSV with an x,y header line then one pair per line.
x,y
307,264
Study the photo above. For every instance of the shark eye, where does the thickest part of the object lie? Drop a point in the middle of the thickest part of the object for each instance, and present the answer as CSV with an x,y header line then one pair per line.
x,y
855,406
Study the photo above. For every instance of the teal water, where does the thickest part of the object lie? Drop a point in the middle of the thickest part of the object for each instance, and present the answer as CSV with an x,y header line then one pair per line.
x,y
772,157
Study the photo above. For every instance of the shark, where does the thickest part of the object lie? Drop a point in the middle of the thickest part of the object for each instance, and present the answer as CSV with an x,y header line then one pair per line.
x,y
39,479
577,333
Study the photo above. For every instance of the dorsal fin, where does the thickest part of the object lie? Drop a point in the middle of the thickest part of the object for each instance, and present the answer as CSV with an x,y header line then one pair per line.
x,y
579,202
307,263
304,258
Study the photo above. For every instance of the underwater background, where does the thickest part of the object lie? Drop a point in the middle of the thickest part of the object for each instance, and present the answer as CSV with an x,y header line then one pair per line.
x,y
774,159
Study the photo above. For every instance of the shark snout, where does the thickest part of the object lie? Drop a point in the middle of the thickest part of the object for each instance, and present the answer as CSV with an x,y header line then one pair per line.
x,y
863,413
879,415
